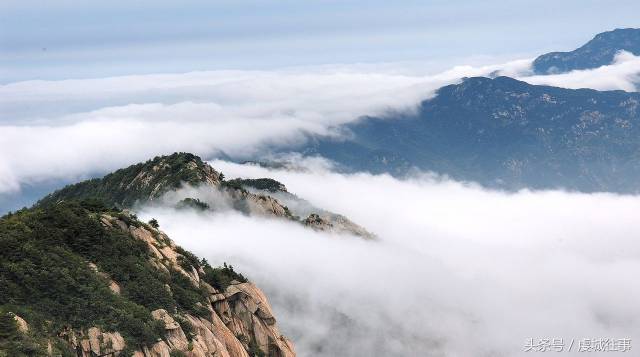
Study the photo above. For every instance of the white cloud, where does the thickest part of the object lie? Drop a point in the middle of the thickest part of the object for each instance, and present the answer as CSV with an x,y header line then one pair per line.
x,y
458,270
623,74
73,128
65,129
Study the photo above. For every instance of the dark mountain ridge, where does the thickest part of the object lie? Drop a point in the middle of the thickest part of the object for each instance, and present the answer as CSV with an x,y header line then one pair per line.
x,y
504,133
600,51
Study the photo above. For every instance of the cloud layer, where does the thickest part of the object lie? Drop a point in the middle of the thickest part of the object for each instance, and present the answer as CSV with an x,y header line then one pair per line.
x,y
65,130
457,269
623,74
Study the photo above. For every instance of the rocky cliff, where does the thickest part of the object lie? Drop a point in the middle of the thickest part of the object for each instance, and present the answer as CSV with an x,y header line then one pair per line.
x,y
80,279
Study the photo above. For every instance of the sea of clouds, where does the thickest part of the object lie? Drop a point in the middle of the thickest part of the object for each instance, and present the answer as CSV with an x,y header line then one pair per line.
x,y
456,270
71,129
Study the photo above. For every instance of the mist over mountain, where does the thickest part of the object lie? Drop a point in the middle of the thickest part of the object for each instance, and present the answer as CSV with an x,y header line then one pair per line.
x,y
504,133
183,180
463,202
600,51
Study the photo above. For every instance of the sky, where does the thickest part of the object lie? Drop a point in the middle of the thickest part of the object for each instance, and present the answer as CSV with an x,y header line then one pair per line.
x,y
81,39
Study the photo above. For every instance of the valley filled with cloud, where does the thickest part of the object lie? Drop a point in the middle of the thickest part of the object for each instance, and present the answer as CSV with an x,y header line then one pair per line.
x,y
455,269
91,126
319,178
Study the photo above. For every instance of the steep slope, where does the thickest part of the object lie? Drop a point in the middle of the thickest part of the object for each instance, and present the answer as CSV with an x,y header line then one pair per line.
x,y
600,51
175,179
80,279
505,133
141,183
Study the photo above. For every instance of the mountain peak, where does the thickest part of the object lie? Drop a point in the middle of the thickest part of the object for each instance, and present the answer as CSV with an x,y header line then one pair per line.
x,y
141,182
147,182
480,86
600,51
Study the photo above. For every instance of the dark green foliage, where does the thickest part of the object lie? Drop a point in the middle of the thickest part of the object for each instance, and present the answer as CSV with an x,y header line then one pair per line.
x,y
44,274
186,326
265,184
137,183
234,185
221,277
45,278
193,203
154,223
187,259
187,297
177,353
19,344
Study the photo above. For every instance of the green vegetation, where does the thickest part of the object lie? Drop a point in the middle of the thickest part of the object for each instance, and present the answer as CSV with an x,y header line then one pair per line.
x,y
234,184
45,276
265,184
44,273
187,259
186,326
154,223
177,353
193,203
60,257
254,350
14,343
220,278
137,183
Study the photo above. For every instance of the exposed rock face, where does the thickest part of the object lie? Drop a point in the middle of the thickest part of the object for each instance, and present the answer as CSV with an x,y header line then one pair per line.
x,y
245,310
251,203
23,326
336,223
241,320
294,206
94,342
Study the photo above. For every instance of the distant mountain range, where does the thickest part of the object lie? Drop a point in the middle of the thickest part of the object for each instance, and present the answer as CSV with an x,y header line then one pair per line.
x,y
509,134
504,133
600,51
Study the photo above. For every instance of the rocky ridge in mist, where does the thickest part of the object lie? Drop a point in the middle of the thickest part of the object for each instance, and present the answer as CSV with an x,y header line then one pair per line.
x,y
149,182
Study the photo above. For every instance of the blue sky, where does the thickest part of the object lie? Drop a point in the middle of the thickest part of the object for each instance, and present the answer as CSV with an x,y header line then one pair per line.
x,y
79,39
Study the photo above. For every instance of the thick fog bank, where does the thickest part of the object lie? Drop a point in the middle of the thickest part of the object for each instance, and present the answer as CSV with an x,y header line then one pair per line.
x,y
66,130
456,271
